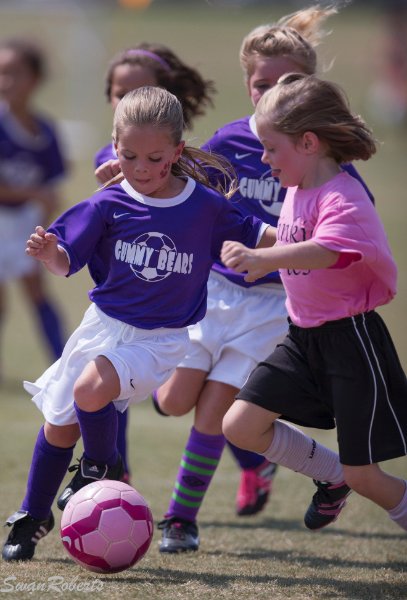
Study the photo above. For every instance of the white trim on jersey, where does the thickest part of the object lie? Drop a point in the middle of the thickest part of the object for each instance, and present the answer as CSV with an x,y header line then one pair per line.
x,y
160,202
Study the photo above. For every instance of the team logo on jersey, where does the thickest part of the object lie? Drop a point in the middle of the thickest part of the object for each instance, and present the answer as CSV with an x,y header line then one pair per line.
x,y
153,256
265,190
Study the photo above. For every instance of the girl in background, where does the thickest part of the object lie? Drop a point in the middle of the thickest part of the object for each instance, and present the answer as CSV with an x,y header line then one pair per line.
x,y
245,320
31,168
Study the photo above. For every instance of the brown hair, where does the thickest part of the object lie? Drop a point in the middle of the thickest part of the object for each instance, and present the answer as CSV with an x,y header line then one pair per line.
x,y
186,83
300,103
294,36
159,108
30,52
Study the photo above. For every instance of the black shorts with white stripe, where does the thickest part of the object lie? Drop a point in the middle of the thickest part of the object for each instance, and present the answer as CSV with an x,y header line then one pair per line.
x,y
345,373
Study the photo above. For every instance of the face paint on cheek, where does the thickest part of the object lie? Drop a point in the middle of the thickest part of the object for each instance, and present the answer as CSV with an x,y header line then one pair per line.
x,y
165,170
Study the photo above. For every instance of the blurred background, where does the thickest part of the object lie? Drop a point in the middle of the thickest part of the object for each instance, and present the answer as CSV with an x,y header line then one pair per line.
x,y
365,52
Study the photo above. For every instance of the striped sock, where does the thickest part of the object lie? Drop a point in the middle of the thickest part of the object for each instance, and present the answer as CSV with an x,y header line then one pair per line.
x,y
198,465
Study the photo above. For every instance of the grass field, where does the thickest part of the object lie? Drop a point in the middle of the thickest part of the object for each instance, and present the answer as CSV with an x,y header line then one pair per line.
x,y
272,555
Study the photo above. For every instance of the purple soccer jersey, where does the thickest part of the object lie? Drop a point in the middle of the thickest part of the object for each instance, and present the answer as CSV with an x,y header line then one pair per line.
x,y
259,193
27,160
150,258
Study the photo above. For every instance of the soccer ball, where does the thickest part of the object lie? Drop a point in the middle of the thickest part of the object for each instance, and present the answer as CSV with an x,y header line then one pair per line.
x,y
160,244
107,526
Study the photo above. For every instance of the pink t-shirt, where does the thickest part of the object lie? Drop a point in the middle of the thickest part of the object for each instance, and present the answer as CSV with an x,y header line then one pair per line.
x,y
340,216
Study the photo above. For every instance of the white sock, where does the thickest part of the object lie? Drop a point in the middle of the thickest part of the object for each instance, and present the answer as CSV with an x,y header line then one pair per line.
x,y
399,513
293,449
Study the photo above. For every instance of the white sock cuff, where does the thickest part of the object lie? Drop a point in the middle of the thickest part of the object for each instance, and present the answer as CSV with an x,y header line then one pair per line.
x,y
400,510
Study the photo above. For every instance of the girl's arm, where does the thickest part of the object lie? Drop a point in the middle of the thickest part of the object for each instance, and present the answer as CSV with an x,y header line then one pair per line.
x,y
268,238
262,260
44,247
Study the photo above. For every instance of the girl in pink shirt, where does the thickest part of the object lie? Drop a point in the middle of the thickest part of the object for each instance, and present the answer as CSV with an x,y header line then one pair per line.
x,y
337,366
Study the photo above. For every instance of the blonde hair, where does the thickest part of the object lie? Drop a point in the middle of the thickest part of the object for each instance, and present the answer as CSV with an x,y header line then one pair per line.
x,y
159,108
299,103
295,36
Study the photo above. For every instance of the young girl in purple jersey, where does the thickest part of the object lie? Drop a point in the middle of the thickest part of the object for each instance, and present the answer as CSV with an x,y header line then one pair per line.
x,y
337,364
244,321
156,65
31,167
151,262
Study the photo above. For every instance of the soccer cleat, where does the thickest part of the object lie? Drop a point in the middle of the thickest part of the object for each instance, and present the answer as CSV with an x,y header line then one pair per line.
x,y
254,488
87,472
178,535
25,534
327,503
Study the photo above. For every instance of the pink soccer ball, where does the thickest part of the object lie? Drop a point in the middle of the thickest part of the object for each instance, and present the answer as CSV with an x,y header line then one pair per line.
x,y
107,526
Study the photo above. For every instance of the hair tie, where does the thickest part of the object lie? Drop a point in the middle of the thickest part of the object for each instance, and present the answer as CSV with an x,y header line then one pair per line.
x,y
152,55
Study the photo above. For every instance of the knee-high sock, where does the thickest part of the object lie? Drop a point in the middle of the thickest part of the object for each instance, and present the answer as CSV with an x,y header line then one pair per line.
x,y
122,422
245,458
48,468
293,449
51,326
198,465
399,513
99,434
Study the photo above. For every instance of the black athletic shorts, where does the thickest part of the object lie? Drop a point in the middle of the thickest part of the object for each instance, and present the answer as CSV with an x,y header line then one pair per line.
x,y
345,373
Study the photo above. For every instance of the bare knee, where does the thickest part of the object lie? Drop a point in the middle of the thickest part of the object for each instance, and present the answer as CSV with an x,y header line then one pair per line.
x,y
97,385
235,432
173,404
249,426
179,395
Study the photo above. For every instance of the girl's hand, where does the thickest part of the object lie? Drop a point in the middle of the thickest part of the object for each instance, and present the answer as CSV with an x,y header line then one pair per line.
x,y
107,171
235,255
43,246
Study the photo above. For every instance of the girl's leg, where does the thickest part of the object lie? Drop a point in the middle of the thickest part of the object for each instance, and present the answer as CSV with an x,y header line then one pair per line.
x,y
122,426
387,491
202,452
257,429
52,455
94,391
48,317
257,474
198,465
180,393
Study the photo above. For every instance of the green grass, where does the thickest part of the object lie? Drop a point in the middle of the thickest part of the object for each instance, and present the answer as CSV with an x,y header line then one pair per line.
x,y
272,555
